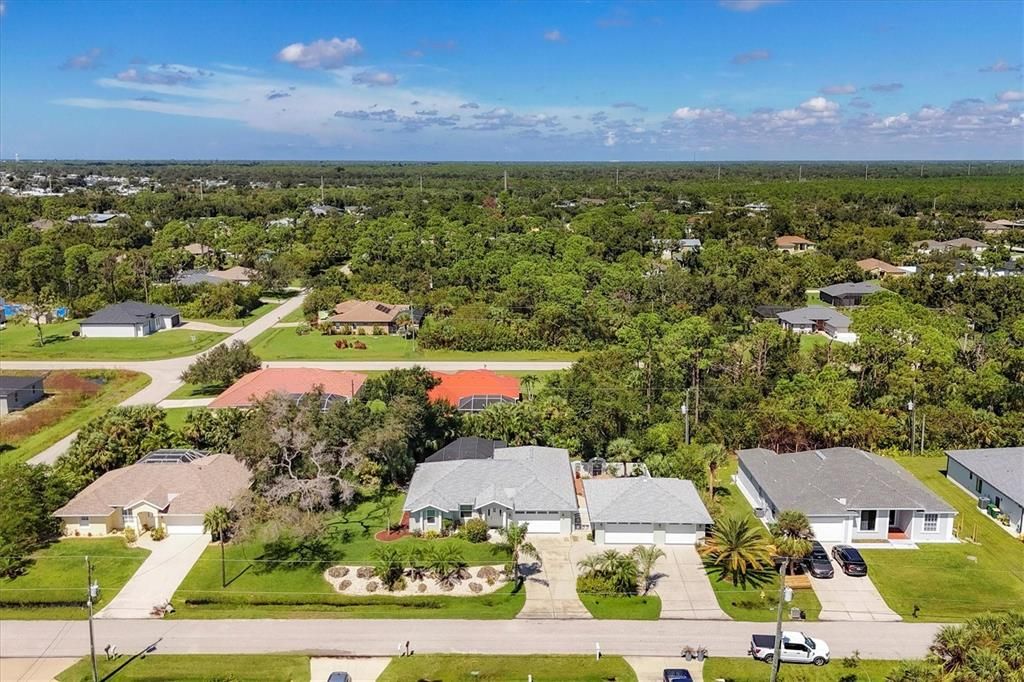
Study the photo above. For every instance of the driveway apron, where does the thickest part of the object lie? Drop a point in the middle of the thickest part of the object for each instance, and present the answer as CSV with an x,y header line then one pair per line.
x,y
847,598
684,587
551,586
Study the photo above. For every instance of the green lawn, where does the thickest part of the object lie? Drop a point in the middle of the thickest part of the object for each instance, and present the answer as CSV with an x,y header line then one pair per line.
x,y
54,587
193,667
119,386
284,580
463,668
808,342
294,316
617,607
176,416
748,604
240,322
186,391
19,342
812,297
749,670
956,581
283,343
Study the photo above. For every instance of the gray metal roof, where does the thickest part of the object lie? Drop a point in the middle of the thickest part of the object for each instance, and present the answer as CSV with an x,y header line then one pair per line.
x,y
128,312
16,382
192,277
835,481
642,499
847,288
812,314
1003,468
529,478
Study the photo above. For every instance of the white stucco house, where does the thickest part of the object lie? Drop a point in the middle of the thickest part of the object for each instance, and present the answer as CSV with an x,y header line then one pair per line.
x,y
818,320
530,484
641,510
128,320
993,474
172,489
848,495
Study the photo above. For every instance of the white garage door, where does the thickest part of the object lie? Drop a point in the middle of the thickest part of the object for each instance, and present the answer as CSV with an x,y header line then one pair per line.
x,y
829,530
681,534
628,534
540,523
183,525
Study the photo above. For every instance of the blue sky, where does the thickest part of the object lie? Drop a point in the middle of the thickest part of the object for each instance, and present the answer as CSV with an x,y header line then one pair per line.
x,y
715,80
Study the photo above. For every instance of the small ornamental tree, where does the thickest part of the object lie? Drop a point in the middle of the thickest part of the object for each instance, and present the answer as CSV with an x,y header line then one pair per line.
x,y
222,365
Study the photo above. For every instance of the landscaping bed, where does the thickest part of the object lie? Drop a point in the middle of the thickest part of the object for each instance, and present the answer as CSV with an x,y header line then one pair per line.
x,y
359,580
460,668
193,667
72,399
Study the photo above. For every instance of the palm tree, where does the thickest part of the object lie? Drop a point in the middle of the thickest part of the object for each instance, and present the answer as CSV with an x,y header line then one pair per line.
x,y
388,565
513,541
618,569
646,556
446,562
529,382
793,534
418,562
216,522
739,550
715,457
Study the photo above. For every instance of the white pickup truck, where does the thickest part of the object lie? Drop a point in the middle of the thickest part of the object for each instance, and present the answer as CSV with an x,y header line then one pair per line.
x,y
796,648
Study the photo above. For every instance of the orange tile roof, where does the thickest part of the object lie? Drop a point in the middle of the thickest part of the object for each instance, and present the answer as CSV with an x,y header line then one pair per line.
x,y
458,385
263,382
880,265
790,240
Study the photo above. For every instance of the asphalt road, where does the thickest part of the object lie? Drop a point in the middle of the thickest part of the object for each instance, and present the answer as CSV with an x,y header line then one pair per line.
x,y
33,639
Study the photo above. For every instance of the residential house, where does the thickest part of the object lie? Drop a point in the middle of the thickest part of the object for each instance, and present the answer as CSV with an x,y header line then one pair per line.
x,y
641,510
848,494
354,316
994,476
770,312
295,383
130,319
236,274
880,269
96,219
758,207
322,210
789,243
1001,226
960,244
168,489
474,390
18,392
197,249
531,485
848,294
190,278
675,249
818,319
467,447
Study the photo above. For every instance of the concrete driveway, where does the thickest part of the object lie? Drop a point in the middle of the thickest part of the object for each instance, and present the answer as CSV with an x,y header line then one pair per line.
x,y
33,669
847,598
684,587
651,668
551,586
158,577
366,669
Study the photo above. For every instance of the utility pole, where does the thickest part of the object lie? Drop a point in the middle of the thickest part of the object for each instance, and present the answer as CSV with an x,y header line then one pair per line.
x,y
922,170
719,171
200,190
801,178
93,591
616,178
921,450
968,170
421,182
321,190
785,595
685,409
913,426
506,181
865,171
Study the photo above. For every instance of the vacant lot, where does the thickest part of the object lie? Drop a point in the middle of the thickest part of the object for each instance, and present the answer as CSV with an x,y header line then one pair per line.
x,y
285,578
282,343
239,322
193,667
54,587
951,582
457,668
72,399
749,670
20,342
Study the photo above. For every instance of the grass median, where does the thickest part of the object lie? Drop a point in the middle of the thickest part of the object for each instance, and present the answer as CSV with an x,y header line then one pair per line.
x,y
193,667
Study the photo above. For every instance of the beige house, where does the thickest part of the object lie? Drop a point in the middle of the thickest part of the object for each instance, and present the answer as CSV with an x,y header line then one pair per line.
x,y
789,243
879,268
235,274
354,316
172,489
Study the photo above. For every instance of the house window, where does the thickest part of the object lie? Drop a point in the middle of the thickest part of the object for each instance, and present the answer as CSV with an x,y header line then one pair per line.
x,y
127,517
977,484
867,519
83,521
466,511
999,502
431,516
931,523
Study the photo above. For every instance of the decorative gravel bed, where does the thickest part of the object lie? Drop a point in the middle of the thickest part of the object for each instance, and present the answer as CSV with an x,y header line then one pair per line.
x,y
357,580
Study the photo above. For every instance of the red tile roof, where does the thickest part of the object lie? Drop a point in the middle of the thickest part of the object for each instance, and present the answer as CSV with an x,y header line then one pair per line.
x,y
458,385
263,382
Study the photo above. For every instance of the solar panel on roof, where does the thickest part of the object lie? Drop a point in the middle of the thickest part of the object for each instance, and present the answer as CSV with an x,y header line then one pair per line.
x,y
383,308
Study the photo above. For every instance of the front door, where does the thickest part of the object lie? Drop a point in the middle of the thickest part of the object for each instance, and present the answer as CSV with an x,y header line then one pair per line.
x,y
892,518
493,516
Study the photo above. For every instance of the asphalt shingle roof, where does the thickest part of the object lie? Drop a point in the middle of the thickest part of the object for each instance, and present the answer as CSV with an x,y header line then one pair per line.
x,y
812,314
128,312
642,499
529,478
1003,468
847,288
834,481
467,447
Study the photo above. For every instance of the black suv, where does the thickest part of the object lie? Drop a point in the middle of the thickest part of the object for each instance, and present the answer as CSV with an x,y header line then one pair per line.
x,y
850,560
817,562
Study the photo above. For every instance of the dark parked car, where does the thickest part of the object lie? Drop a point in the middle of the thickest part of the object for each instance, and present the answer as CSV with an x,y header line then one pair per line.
x,y
339,677
817,562
850,560
676,675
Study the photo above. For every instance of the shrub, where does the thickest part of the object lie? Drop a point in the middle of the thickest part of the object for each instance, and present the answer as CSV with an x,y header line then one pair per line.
x,y
359,345
431,535
378,330
474,530
158,533
130,536
594,584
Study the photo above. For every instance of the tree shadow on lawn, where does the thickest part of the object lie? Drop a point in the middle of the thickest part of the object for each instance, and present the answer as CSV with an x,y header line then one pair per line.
x,y
291,554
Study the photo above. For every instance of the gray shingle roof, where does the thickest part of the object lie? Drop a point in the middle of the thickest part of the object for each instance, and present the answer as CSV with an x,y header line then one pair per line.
x,y
642,499
834,481
192,277
812,314
530,478
467,447
16,382
1003,468
847,288
128,312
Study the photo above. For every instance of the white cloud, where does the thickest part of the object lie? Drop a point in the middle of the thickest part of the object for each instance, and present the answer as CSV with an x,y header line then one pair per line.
x,y
885,87
752,56
1011,96
1000,66
820,105
321,54
375,78
846,89
90,59
746,5
163,74
688,114
554,36
3,7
